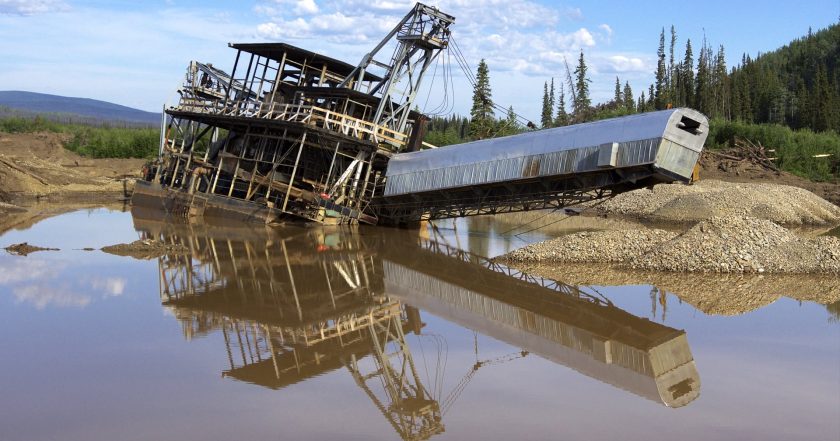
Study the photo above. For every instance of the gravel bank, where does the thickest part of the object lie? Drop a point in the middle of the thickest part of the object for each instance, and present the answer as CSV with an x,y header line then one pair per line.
x,y
592,247
781,204
731,244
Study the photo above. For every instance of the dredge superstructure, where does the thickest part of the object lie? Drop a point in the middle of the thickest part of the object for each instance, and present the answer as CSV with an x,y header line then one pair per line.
x,y
293,135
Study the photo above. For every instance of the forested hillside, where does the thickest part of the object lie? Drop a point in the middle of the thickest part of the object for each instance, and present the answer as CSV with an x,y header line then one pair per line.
x,y
797,85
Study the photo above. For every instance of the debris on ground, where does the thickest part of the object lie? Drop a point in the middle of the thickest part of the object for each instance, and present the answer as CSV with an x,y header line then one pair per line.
x,y
145,249
24,249
732,165
781,204
730,244
742,156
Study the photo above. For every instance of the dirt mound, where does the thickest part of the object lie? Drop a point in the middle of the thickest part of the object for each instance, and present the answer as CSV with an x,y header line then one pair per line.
x,y
146,249
719,294
781,204
38,165
24,249
731,244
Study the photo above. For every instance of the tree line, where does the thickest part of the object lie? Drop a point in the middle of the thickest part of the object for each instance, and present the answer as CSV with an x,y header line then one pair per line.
x,y
794,88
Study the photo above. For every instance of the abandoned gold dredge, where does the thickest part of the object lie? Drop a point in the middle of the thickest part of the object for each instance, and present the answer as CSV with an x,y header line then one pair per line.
x,y
293,135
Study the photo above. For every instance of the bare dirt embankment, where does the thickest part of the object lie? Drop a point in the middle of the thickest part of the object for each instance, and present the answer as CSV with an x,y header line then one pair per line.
x,y
38,165
40,178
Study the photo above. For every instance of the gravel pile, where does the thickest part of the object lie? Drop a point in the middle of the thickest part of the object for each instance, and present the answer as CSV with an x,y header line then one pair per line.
x,y
781,204
731,244
592,246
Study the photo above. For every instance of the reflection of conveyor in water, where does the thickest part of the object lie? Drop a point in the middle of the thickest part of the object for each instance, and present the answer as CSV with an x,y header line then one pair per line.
x,y
558,322
295,304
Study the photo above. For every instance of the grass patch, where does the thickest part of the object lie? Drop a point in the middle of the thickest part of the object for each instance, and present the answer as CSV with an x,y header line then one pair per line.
x,y
794,149
93,141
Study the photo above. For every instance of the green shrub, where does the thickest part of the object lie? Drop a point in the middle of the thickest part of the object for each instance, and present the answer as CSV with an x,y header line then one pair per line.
x,y
96,142
28,125
794,150
100,142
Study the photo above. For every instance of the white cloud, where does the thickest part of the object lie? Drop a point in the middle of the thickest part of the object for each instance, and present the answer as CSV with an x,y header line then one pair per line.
x,y
111,286
106,49
16,270
622,64
306,7
31,7
605,33
42,295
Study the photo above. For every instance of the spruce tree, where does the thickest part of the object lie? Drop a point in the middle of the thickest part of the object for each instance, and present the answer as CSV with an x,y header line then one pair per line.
x,y
562,118
651,103
659,93
582,102
551,99
629,104
617,94
481,114
509,125
702,96
545,116
721,86
672,77
687,81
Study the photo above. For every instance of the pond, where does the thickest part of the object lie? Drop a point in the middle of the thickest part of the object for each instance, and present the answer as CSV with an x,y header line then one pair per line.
x,y
383,334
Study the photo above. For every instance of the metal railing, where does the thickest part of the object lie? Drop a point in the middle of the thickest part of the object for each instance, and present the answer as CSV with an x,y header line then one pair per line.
x,y
304,114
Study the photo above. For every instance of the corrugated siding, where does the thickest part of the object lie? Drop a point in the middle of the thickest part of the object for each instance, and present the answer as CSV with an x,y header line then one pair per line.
x,y
630,153
676,158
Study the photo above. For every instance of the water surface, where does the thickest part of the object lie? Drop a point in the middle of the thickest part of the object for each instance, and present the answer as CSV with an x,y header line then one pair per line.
x,y
370,333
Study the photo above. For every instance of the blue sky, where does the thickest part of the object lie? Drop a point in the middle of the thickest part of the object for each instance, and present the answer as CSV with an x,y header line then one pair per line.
x,y
135,53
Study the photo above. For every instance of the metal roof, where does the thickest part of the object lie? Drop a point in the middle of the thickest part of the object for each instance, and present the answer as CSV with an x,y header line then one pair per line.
x,y
275,52
661,124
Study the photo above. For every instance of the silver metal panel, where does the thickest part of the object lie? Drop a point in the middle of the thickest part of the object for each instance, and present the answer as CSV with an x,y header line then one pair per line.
x,y
563,150
608,155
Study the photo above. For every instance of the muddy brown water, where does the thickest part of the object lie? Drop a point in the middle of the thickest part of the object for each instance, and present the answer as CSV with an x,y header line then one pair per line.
x,y
370,333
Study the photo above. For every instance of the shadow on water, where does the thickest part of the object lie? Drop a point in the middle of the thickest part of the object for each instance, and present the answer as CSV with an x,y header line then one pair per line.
x,y
295,303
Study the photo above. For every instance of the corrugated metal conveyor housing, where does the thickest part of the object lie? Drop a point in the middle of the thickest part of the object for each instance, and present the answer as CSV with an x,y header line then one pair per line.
x,y
544,165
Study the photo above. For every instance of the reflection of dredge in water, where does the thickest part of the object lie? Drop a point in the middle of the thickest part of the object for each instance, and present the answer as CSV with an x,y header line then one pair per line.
x,y
300,308
289,313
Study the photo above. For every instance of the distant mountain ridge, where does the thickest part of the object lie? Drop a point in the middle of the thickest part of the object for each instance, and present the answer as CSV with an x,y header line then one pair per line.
x,y
101,110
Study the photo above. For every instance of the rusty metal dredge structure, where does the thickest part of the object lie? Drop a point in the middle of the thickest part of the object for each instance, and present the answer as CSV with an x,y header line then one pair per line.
x,y
291,133
295,135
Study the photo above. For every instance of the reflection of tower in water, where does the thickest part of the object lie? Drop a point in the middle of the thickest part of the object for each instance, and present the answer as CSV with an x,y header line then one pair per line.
x,y
301,307
295,304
